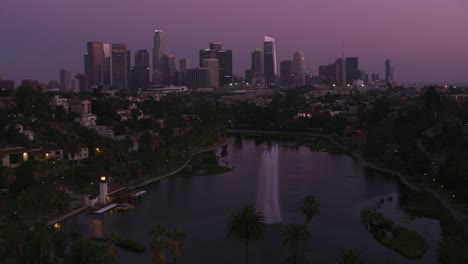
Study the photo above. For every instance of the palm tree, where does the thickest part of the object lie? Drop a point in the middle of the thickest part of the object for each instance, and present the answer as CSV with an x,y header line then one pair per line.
x,y
310,208
296,239
159,244
351,257
246,225
157,232
159,248
175,238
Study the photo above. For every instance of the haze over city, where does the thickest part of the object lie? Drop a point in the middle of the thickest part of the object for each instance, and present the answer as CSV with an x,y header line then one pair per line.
x,y
426,40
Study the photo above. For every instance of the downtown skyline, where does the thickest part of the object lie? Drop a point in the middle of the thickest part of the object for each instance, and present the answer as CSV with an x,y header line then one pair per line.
x,y
421,49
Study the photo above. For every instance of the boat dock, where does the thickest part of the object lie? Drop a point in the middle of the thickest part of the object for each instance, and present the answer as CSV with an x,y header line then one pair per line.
x,y
106,208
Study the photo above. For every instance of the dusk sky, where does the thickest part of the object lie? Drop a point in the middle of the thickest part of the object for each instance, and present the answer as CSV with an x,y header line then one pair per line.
x,y
426,39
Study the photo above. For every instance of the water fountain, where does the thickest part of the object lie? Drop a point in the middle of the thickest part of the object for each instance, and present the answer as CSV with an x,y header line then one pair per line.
x,y
268,186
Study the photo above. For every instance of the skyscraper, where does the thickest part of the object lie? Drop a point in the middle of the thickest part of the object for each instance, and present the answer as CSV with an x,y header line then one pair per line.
x,y
142,58
224,57
120,66
140,73
352,70
340,72
184,64
83,81
158,56
169,69
389,71
286,73
107,64
269,60
94,63
65,80
257,63
298,68
328,74
213,75
198,78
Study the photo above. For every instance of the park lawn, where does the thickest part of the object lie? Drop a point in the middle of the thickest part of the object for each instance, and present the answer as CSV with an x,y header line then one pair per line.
x,y
406,242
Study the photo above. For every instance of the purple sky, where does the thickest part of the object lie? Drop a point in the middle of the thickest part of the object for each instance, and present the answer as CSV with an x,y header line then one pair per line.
x,y
426,39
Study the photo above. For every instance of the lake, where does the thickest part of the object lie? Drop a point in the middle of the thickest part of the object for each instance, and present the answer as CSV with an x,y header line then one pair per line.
x,y
274,176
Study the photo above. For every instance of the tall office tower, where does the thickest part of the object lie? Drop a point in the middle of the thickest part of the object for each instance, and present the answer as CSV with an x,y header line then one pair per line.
x,y
364,77
65,80
298,68
269,60
375,77
83,79
94,63
389,77
169,69
328,74
75,85
340,72
225,66
248,76
352,70
158,57
286,73
257,63
140,73
216,46
224,57
120,66
107,64
213,76
7,84
142,58
205,54
198,78
184,64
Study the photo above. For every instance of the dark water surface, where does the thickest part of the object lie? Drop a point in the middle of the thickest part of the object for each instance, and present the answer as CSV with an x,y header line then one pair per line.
x,y
201,206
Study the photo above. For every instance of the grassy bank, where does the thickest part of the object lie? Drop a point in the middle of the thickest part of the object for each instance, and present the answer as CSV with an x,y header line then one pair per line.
x,y
204,164
406,242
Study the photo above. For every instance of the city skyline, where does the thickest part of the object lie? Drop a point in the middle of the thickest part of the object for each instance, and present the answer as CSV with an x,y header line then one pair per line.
x,y
421,48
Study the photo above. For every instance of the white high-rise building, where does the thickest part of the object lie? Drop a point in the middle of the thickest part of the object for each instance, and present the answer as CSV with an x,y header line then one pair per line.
x,y
213,75
269,60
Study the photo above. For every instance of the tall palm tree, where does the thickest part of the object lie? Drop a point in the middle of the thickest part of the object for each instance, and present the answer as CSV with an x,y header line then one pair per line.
x,y
159,243
158,249
246,225
351,257
310,208
296,239
175,241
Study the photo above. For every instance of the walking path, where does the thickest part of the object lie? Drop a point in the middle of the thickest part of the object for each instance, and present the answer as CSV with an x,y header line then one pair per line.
x,y
144,183
456,214
139,185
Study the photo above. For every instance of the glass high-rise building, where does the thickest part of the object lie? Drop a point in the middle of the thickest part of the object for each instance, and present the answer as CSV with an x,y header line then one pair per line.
x,y
328,74
213,76
158,57
224,57
94,63
286,73
389,77
169,69
257,63
298,68
269,60
340,72
352,70
120,66
107,64
65,80
140,73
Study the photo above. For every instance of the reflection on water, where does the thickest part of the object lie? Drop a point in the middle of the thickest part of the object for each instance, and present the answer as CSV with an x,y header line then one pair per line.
x,y
200,206
268,186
